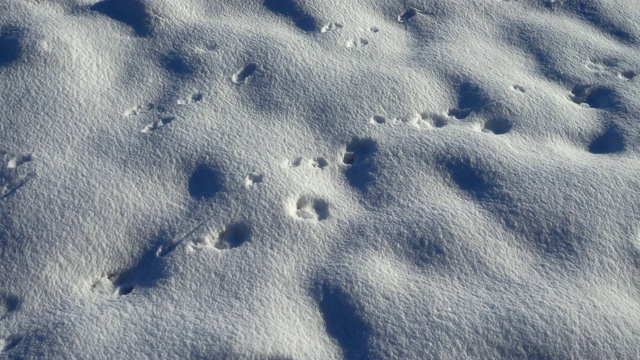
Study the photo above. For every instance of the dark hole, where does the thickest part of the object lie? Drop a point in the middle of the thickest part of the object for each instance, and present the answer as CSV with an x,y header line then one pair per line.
x,y
407,15
204,182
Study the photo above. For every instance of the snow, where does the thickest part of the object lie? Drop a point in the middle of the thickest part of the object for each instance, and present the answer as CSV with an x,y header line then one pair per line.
x,y
319,179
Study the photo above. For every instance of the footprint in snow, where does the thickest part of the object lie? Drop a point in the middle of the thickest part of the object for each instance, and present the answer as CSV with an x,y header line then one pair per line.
x,y
407,15
598,66
243,74
157,124
626,75
377,119
355,43
359,150
191,99
141,109
497,126
519,88
471,98
309,208
593,96
294,163
331,27
106,286
319,162
252,180
433,120
609,66
230,237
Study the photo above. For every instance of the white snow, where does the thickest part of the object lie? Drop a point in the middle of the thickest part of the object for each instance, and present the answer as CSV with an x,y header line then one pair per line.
x,y
319,179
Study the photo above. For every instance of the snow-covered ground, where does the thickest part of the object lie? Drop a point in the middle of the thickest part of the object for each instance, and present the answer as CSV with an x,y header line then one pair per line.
x,y
319,179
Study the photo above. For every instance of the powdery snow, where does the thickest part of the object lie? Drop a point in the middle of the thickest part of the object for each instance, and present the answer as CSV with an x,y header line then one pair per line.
x,y
319,179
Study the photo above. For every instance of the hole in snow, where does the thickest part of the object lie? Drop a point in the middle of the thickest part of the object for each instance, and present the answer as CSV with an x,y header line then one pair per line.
x,y
310,208
241,76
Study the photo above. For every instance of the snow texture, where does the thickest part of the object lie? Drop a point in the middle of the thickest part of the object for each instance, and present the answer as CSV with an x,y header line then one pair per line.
x,y
289,179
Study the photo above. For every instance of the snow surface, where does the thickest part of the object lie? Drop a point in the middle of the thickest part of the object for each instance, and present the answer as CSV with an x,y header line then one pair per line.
x,y
319,179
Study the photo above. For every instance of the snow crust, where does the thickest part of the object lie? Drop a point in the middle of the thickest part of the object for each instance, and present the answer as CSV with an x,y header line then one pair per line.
x,y
319,179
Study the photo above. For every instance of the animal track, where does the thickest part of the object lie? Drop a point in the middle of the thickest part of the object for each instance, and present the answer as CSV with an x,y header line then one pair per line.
x,y
200,237
252,179
159,112
610,67
360,162
295,162
232,236
9,343
331,27
145,272
598,66
319,163
106,285
311,208
358,151
357,43
434,120
192,99
627,75
471,98
377,119
141,109
407,15
15,172
103,285
594,96
519,88
243,74
157,124
497,126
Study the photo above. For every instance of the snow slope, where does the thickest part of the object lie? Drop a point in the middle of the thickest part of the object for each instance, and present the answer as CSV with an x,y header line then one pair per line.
x,y
319,179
